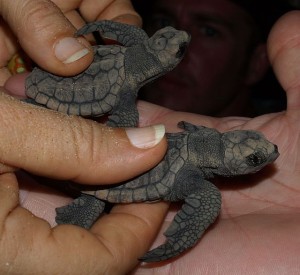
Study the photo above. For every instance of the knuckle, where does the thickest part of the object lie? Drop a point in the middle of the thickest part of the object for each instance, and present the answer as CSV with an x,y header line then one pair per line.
x,y
86,141
38,16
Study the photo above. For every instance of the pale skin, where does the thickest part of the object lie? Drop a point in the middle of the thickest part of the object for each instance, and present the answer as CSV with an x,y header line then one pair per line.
x,y
258,230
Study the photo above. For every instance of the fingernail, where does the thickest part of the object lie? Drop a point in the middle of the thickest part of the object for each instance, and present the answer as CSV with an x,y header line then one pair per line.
x,y
146,137
69,50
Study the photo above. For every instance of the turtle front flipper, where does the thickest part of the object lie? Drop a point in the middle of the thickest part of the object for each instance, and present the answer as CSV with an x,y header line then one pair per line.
x,y
125,113
125,34
83,211
200,209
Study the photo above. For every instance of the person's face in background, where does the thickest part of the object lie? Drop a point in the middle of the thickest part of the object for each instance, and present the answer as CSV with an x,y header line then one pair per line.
x,y
220,62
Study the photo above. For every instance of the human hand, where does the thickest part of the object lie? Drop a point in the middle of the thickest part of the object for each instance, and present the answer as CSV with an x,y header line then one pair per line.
x,y
46,31
258,231
56,145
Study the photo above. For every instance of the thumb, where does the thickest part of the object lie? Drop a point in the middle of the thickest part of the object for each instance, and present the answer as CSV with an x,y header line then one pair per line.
x,y
47,36
55,145
284,53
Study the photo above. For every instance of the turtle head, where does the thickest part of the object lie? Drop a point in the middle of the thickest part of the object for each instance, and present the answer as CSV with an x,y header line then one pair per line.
x,y
247,152
169,46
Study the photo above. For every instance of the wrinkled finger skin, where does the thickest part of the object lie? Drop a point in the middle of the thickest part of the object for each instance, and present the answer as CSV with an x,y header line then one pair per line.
x,y
38,26
117,10
65,147
52,144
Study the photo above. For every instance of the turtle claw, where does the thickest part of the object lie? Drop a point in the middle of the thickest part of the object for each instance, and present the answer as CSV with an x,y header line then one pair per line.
x,y
160,253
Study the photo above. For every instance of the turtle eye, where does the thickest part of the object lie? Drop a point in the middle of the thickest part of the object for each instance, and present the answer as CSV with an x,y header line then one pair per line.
x,y
181,50
255,159
160,43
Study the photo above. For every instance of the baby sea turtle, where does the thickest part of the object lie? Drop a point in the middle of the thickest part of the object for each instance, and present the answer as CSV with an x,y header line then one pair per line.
x,y
111,83
193,157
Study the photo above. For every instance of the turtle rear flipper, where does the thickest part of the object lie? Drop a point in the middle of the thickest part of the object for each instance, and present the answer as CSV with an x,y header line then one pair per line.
x,y
83,211
198,212
128,35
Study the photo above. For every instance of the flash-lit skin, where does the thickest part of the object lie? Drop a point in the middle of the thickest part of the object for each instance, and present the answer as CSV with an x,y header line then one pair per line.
x,y
215,76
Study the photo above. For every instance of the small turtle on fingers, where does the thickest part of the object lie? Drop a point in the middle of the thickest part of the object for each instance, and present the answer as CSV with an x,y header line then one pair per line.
x,y
111,83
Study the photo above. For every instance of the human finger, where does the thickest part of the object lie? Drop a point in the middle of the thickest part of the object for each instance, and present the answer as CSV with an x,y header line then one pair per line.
x,y
15,85
127,233
79,12
47,36
120,238
284,53
55,145
116,10
8,46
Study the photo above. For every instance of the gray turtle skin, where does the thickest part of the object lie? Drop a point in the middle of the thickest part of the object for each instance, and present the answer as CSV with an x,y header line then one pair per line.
x,y
110,84
193,157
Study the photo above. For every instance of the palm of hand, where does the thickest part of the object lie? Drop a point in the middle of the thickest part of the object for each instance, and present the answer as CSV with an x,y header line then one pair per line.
x,y
258,228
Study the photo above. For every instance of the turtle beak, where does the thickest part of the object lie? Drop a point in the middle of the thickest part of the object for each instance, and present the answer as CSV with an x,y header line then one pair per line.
x,y
182,49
